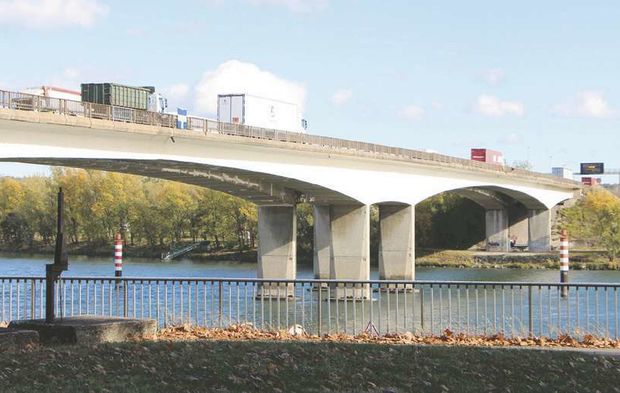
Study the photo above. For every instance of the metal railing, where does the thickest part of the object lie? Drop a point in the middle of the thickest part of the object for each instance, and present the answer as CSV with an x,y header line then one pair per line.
x,y
350,307
28,102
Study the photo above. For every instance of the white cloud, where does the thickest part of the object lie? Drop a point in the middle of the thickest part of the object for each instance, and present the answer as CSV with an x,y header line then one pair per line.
x,y
294,5
341,97
235,76
588,103
494,107
177,91
412,112
47,14
494,76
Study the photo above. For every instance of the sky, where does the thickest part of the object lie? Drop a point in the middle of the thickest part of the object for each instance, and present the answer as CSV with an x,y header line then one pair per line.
x,y
536,80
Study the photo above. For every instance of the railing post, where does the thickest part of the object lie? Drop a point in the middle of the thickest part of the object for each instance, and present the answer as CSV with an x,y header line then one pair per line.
x,y
422,308
32,298
319,312
530,310
219,303
125,299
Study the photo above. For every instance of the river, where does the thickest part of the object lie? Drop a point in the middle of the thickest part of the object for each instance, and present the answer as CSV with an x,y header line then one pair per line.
x,y
12,265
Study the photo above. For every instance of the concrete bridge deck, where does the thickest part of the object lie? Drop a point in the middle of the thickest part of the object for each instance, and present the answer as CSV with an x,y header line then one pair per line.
x,y
278,169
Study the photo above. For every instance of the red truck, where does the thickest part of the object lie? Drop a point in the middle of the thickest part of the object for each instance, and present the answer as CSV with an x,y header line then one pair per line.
x,y
488,156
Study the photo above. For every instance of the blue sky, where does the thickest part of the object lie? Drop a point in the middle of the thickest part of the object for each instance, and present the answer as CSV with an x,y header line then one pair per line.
x,y
537,80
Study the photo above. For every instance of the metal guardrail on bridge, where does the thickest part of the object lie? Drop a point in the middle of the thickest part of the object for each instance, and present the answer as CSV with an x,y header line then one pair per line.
x,y
22,101
421,307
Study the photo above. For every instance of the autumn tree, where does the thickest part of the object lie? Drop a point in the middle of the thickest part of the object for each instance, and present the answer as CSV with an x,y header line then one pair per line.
x,y
595,220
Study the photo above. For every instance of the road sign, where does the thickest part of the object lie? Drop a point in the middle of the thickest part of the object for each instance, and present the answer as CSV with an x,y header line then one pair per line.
x,y
592,168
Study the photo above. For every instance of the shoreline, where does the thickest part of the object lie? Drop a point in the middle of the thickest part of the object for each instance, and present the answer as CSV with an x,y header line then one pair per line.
x,y
580,259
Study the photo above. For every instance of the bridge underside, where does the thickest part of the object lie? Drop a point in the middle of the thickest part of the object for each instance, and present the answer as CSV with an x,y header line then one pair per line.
x,y
341,223
259,188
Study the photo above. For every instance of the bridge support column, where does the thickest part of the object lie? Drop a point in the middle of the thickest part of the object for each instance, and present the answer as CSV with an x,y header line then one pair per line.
x,y
539,230
397,245
322,242
497,230
277,240
342,247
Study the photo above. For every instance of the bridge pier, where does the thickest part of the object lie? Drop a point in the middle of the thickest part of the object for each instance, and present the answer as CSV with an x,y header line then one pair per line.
x,y
539,230
342,247
277,241
397,244
322,242
497,225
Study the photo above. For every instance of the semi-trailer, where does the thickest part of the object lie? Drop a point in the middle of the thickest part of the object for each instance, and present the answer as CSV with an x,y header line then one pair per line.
x,y
251,110
488,156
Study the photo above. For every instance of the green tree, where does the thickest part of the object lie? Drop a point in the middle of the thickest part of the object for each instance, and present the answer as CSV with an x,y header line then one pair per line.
x,y
595,220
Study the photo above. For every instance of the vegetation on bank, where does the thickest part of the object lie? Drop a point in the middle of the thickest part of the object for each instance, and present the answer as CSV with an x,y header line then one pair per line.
x,y
157,214
245,366
595,221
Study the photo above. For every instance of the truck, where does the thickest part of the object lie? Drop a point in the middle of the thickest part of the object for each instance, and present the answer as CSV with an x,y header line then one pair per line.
x,y
591,181
116,95
488,156
46,100
564,173
258,111
54,92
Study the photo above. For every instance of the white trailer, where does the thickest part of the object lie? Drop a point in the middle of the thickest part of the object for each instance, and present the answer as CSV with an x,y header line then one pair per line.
x,y
562,172
259,112
54,92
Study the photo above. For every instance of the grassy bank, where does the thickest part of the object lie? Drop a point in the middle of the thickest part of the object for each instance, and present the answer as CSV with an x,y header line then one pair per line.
x,y
247,366
580,260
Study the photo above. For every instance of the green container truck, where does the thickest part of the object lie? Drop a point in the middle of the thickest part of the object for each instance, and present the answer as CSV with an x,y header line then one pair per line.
x,y
116,95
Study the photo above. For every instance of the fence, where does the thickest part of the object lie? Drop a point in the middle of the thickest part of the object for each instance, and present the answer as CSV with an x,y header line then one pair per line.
x,y
21,101
350,307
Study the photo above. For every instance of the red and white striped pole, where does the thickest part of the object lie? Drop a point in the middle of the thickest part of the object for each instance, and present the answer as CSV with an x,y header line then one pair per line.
x,y
564,260
118,255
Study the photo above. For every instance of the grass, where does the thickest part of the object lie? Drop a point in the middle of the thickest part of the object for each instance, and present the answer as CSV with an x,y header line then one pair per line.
x,y
580,260
259,366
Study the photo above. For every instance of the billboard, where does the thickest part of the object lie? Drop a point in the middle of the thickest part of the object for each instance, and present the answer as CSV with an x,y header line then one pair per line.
x,y
592,168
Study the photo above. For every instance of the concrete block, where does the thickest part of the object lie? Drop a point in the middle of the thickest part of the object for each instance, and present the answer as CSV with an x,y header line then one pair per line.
x,y
17,339
87,330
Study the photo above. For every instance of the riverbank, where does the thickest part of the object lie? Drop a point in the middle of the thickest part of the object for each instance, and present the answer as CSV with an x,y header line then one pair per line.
x,y
241,366
580,259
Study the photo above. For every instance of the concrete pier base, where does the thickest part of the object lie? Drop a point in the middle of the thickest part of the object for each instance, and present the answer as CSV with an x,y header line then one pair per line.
x,y
88,330
277,240
12,340
497,230
397,244
539,231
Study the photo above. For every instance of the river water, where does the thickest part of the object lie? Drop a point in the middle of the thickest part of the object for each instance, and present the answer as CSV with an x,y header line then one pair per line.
x,y
14,265
206,301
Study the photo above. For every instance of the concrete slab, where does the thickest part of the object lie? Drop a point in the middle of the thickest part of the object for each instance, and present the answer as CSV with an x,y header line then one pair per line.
x,y
17,339
87,330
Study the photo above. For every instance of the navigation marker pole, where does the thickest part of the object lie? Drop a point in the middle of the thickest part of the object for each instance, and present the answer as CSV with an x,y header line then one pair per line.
x,y
118,255
564,261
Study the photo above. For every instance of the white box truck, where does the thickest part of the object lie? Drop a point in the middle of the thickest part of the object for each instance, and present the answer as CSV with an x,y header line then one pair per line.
x,y
257,111
562,172
54,92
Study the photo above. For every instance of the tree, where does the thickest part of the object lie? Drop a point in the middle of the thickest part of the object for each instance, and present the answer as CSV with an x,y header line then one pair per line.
x,y
595,220
523,164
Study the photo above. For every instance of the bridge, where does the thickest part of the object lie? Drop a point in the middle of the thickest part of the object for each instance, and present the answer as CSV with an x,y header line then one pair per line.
x,y
277,169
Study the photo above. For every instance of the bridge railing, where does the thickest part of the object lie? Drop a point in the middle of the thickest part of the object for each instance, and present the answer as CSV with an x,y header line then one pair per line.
x,y
328,306
22,101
